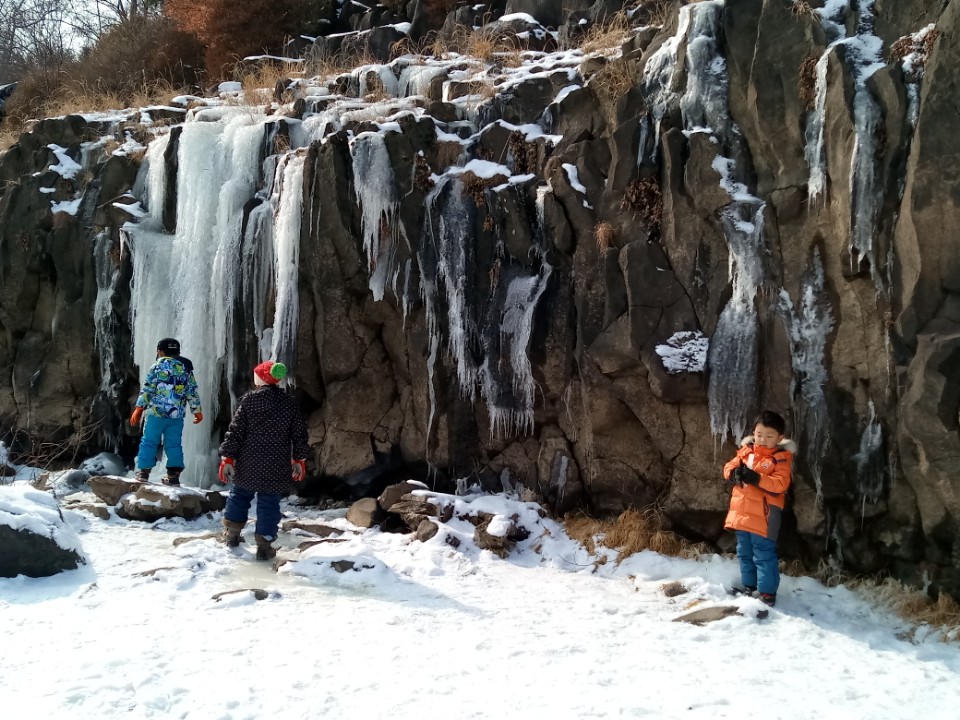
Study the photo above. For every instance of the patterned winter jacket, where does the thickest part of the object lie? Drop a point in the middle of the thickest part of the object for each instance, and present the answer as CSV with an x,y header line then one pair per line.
x,y
266,433
757,508
169,388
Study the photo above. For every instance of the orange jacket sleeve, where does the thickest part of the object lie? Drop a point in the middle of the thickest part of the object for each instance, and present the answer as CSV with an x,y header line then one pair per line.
x,y
734,462
778,481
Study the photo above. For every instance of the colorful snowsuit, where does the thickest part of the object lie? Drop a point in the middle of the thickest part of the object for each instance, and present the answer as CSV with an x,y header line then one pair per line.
x,y
266,433
168,390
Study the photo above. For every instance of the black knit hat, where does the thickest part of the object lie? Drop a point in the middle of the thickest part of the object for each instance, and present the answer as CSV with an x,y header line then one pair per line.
x,y
169,346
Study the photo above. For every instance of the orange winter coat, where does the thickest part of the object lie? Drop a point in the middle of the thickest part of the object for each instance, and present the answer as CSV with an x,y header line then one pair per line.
x,y
757,508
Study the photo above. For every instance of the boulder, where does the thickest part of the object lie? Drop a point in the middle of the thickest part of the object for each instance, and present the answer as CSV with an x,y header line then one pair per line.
x,y
394,493
36,540
149,502
365,513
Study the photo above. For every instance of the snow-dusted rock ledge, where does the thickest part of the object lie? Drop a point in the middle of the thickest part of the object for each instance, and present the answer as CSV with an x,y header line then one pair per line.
x,y
36,540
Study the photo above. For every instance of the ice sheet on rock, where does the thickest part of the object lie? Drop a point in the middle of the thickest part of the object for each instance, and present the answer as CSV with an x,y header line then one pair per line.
x,y
871,463
375,189
684,352
808,327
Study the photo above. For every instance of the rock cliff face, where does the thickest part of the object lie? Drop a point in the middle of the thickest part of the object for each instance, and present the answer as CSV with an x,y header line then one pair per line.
x,y
585,274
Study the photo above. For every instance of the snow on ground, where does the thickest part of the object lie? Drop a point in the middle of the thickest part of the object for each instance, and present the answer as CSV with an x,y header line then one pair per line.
x,y
433,632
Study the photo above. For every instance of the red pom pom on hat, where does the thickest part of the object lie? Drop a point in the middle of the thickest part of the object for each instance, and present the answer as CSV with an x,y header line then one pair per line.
x,y
271,372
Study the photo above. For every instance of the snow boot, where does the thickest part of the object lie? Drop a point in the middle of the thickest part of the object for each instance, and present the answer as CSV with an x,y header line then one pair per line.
x,y
265,549
142,475
231,533
769,599
748,590
172,477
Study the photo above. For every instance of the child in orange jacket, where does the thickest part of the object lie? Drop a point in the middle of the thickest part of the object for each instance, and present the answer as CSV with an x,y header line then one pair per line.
x,y
760,475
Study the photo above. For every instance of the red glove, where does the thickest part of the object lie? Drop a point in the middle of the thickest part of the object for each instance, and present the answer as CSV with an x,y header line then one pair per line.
x,y
299,469
227,470
135,416
197,417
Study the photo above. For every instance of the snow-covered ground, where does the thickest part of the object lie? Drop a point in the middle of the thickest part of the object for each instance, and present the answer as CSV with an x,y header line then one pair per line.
x,y
435,632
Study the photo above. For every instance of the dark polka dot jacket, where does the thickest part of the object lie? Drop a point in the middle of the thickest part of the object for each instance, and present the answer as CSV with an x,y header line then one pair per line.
x,y
266,433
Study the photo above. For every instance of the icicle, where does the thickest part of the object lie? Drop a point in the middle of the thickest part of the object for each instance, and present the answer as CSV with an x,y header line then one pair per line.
x,y
156,181
732,356
658,74
513,415
416,79
704,103
375,188
808,328
870,459
286,244
814,151
863,57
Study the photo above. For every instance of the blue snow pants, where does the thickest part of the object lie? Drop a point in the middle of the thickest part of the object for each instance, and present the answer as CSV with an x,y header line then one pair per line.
x,y
268,510
759,566
156,428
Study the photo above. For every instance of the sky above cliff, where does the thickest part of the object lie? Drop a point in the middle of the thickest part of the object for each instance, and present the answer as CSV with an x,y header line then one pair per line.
x,y
428,631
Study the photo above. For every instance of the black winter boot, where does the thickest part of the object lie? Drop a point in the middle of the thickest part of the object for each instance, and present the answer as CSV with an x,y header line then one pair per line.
x,y
265,549
173,476
142,475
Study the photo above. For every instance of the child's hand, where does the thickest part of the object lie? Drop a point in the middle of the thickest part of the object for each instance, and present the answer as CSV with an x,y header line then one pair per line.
x,y
746,476
135,416
227,470
299,470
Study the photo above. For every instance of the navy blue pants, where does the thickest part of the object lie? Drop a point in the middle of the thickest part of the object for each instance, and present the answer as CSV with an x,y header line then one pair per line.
x,y
268,510
759,566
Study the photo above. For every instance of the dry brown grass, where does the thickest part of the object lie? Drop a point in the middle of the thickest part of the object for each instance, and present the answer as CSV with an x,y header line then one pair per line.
x,y
801,8
606,37
637,530
604,235
644,197
631,532
485,44
8,136
912,604
807,82
653,12
328,65
259,85
922,48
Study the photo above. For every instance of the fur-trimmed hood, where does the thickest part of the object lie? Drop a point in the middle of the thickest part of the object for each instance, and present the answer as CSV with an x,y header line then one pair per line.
x,y
786,444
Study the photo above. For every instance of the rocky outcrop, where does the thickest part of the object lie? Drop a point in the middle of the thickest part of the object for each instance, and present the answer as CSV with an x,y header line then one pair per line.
x,y
148,502
37,541
584,280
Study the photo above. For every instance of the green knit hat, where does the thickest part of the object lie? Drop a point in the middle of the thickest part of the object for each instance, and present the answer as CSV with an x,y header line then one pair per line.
x,y
271,372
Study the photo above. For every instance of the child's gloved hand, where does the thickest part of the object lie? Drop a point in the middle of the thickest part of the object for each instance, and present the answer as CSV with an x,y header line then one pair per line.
x,y
197,417
299,470
227,470
746,476
135,416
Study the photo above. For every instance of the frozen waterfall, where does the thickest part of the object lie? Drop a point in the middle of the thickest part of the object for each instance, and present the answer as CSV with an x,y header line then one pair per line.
x,y
808,328
188,284
704,107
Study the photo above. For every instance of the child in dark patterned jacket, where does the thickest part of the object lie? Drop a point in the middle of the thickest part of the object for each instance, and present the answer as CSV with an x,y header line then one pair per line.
x,y
265,445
